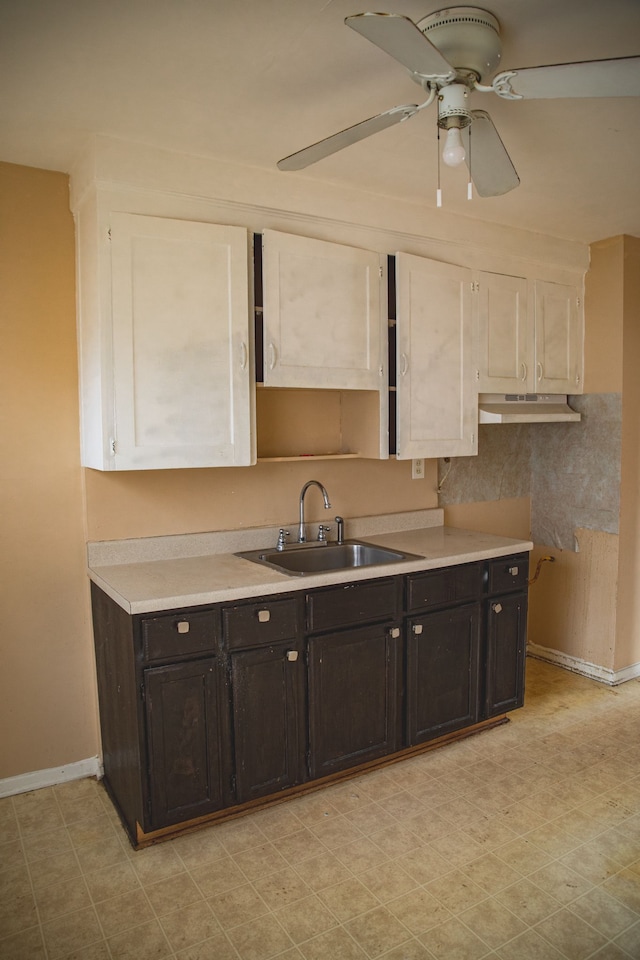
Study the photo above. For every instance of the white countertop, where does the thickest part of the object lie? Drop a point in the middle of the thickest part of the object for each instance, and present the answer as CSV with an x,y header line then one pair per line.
x,y
142,585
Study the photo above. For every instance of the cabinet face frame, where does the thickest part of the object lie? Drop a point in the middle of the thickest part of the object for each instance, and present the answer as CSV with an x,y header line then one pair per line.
x,y
324,314
437,409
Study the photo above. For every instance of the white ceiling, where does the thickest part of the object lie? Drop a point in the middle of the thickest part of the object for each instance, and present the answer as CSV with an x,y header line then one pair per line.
x,y
250,81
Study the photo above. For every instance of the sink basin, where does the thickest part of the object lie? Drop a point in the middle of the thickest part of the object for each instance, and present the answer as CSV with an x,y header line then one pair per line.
x,y
322,557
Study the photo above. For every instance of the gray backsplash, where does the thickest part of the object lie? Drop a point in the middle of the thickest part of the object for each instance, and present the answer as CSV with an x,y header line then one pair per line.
x,y
571,470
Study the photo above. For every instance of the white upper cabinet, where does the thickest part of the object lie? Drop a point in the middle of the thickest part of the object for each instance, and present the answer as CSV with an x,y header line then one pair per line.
x,y
559,338
505,337
325,323
437,411
529,336
170,346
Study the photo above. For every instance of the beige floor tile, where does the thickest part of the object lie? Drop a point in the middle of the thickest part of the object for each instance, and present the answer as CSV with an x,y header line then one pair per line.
x,y
72,932
570,935
15,882
17,913
370,818
260,861
27,945
523,855
377,931
260,939
419,911
55,869
490,873
282,888
199,848
528,946
299,846
306,918
335,833
493,923
167,895
238,906
237,835
561,882
190,925
58,899
95,856
348,899
322,871
456,891
334,943
41,846
146,942
396,840
215,948
388,881
529,902
604,912
218,877
116,879
123,912
410,950
458,848
630,940
156,863
424,864
453,940
625,887
313,808
361,855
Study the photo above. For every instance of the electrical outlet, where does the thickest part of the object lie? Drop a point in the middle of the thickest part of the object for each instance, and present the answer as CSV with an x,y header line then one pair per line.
x,y
417,469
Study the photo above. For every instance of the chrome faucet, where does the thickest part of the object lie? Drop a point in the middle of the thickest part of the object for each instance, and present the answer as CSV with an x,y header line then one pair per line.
x,y
310,483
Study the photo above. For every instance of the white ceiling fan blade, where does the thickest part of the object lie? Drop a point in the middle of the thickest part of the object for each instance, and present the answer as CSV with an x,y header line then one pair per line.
x,y
593,78
324,148
404,41
490,165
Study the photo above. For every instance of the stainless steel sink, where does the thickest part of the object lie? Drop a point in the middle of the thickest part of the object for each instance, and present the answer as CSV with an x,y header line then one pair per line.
x,y
322,557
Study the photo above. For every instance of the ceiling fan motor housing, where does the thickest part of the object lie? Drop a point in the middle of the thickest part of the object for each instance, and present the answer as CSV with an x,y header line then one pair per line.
x,y
467,37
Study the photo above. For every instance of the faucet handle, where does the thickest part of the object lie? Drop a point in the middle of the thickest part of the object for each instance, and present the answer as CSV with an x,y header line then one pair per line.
x,y
322,532
282,539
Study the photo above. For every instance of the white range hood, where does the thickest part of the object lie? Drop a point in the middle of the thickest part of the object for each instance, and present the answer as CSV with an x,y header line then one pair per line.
x,y
524,408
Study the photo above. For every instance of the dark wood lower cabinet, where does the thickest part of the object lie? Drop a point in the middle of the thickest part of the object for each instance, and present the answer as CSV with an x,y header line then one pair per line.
x,y
443,660
218,706
269,719
506,652
354,697
184,703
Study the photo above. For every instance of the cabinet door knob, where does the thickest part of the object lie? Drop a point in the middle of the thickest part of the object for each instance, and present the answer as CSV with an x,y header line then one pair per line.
x,y
417,629
496,607
264,616
292,656
513,571
394,632
183,626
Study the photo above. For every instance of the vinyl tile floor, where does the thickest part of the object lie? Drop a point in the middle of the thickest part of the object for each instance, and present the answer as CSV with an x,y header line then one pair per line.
x,y
519,843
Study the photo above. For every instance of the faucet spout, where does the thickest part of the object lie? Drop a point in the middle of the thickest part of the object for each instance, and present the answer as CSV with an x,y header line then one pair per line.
x,y
327,505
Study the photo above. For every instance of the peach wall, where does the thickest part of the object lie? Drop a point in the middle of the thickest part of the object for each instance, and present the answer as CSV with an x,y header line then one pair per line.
x,y
47,698
628,624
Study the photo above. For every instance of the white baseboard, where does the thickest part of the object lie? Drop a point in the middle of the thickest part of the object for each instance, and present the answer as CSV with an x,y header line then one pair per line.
x,y
47,778
584,667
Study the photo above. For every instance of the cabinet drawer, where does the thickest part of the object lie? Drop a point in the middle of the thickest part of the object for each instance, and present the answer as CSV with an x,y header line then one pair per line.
x,y
449,585
353,603
179,635
508,573
252,624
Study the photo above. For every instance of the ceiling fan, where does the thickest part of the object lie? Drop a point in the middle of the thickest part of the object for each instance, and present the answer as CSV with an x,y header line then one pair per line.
x,y
450,54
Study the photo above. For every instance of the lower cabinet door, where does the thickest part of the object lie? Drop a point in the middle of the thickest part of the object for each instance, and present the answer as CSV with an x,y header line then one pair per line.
x,y
184,709
506,652
269,714
354,697
442,672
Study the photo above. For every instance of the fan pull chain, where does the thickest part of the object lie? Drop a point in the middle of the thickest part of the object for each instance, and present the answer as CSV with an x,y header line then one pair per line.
x,y
469,184
438,190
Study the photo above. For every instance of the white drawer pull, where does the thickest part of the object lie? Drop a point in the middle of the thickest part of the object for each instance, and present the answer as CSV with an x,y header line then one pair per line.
x,y
264,616
292,656
394,632
513,571
417,629
183,626
496,607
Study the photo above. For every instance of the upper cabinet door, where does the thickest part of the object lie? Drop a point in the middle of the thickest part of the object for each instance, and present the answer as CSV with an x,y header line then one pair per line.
x,y
505,338
559,338
182,368
436,393
324,325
